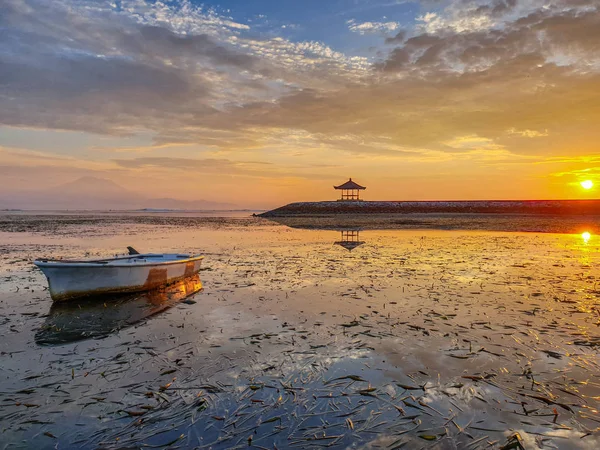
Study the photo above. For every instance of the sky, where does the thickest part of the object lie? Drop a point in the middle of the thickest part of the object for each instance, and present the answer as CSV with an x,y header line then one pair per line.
x,y
261,103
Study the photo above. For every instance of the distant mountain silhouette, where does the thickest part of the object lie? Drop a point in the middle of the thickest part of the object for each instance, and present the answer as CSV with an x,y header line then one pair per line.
x,y
92,186
98,193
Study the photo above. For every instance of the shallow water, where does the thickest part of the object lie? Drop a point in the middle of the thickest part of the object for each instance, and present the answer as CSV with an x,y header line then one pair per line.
x,y
414,339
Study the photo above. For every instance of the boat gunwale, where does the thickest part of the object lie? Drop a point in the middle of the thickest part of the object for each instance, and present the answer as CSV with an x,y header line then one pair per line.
x,y
107,263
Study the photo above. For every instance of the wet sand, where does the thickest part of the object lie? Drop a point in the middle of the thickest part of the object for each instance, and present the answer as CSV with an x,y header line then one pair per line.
x,y
415,339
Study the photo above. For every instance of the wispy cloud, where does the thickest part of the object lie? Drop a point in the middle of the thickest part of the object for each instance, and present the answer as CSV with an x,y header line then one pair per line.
x,y
372,27
527,133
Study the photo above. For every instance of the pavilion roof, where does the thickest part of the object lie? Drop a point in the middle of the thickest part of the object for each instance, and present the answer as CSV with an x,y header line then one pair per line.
x,y
350,185
349,245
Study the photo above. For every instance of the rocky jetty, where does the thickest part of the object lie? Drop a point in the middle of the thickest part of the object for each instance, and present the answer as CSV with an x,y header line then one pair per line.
x,y
537,207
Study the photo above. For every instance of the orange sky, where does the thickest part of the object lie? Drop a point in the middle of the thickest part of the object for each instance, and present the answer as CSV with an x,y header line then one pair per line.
x,y
481,99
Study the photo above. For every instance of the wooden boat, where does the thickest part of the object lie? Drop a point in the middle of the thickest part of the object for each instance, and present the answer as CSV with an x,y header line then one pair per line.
x,y
68,279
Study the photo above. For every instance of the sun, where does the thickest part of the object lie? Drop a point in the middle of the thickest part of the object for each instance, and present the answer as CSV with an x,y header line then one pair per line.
x,y
587,184
586,236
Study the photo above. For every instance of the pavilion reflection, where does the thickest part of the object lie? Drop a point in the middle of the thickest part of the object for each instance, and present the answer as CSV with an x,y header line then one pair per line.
x,y
98,317
349,233
350,239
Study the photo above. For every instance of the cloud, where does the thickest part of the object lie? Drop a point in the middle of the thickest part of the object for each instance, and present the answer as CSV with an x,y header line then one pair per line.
x,y
472,142
397,39
560,37
220,166
527,133
151,42
594,172
204,165
432,23
371,27
188,74
30,158
91,66
474,15
183,17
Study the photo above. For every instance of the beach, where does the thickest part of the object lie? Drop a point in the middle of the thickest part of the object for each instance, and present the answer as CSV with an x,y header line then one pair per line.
x,y
451,332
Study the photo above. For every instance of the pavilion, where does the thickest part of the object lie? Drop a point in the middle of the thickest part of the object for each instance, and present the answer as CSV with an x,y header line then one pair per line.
x,y
350,239
350,190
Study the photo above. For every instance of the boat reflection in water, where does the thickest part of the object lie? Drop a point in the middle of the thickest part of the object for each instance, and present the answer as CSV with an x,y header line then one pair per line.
x,y
350,239
101,316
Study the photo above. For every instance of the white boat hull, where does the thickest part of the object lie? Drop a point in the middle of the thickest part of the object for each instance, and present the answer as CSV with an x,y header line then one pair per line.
x,y
68,280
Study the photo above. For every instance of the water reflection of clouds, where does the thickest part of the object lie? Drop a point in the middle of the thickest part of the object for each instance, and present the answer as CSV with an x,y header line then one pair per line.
x,y
464,393
567,435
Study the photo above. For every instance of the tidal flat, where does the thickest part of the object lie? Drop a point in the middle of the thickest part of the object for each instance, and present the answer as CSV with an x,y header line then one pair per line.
x,y
305,338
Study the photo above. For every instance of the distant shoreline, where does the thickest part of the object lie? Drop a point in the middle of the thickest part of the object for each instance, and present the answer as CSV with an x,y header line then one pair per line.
x,y
530,207
143,210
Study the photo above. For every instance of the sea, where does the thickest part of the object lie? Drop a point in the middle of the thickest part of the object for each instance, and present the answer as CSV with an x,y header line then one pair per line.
x,y
389,331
